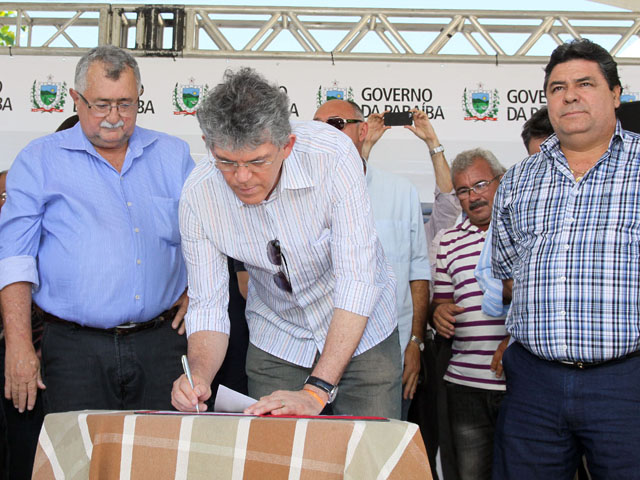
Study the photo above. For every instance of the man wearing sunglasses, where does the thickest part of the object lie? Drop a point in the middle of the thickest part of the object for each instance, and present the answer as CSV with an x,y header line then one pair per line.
x,y
398,217
290,202
90,229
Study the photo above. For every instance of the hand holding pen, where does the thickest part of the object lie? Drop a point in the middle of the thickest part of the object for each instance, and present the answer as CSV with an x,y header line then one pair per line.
x,y
187,372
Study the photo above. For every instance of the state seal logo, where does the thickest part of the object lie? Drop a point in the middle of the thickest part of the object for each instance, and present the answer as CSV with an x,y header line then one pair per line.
x,y
333,92
186,98
480,104
48,96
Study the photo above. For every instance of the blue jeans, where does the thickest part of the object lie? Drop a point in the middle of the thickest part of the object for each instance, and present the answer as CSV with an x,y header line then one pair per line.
x,y
553,413
473,413
371,384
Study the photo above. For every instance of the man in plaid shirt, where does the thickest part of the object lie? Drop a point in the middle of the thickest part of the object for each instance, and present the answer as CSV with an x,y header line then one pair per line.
x,y
567,241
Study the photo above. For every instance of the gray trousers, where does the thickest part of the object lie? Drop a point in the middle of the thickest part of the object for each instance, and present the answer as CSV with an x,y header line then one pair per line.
x,y
371,385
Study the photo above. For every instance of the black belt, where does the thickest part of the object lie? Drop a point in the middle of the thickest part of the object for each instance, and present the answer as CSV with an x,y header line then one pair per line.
x,y
585,365
121,330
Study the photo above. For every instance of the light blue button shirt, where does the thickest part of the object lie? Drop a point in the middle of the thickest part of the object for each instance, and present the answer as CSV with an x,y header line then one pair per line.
x,y
491,287
100,247
398,217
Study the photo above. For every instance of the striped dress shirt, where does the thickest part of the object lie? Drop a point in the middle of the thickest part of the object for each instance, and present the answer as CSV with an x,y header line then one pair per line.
x,y
477,335
573,250
321,215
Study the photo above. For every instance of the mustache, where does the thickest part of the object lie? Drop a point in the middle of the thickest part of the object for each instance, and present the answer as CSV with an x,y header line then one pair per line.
x,y
477,203
107,124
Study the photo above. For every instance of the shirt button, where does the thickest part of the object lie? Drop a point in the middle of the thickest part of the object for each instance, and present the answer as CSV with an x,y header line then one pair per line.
x,y
565,348
567,247
129,204
562,313
137,230
137,297
138,261
563,279
570,219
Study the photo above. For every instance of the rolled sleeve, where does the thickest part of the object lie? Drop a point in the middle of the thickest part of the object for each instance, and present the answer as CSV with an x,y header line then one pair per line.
x,y
18,269
354,241
21,221
356,297
207,273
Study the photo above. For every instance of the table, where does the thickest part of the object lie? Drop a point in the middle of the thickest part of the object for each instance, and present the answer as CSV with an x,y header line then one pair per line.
x,y
126,445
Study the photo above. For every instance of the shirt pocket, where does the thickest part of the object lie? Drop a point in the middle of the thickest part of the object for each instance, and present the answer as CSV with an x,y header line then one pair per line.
x,y
165,219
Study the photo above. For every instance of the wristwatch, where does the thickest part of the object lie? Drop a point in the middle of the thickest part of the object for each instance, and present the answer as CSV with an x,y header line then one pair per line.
x,y
418,342
328,388
437,149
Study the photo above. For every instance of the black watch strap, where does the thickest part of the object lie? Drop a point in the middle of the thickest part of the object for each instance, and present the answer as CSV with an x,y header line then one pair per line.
x,y
326,387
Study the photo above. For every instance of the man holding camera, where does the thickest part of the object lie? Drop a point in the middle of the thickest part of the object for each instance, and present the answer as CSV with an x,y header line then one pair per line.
x,y
398,218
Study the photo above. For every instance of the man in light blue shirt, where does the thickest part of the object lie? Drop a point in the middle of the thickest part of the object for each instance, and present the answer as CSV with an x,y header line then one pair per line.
x,y
398,218
91,228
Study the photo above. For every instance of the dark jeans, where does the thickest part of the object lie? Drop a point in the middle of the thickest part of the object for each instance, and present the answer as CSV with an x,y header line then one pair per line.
x,y
429,407
85,369
19,434
473,413
552,413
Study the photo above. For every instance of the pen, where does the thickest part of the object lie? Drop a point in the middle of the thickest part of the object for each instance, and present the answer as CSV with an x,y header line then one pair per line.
x,y
187,372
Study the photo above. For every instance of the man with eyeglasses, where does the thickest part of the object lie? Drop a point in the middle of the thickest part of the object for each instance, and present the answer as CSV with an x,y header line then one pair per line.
x,y
473,391
290,202
398,217
90,232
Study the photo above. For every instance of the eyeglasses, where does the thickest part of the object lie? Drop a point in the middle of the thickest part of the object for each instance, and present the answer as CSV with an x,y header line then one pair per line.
x,y
340,122
104,109
252,165
276,257
478,188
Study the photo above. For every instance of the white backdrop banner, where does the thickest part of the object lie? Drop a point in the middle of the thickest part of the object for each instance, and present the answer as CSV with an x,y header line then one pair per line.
x,y
469,105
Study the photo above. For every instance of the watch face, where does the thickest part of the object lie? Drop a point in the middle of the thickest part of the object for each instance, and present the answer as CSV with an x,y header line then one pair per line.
x,y
333,394
331,390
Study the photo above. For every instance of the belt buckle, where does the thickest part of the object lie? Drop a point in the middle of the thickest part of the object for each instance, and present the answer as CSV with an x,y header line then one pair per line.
x,y
125,327
579,365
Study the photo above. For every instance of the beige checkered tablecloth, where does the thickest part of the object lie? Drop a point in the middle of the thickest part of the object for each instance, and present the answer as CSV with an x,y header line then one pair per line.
x,y
123,445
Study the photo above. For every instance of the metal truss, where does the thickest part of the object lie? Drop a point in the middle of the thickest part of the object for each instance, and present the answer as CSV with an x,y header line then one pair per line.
x,y
412,35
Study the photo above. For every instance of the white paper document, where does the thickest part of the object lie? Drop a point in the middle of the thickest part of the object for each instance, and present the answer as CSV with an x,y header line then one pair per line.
x,y
230,401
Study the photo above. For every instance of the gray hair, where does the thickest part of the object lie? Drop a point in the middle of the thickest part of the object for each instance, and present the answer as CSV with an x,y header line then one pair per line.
x,y
115,61
245,111
465,159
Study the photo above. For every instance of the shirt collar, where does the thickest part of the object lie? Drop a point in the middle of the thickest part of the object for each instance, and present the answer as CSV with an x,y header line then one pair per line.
x,y
294,176
140,139
467,225
551,146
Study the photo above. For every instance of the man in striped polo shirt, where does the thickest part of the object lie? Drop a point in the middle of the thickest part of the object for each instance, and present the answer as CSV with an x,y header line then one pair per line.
x,y
474,392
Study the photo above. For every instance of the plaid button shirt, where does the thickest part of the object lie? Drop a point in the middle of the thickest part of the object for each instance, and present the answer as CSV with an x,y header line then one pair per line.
x,y
573,250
